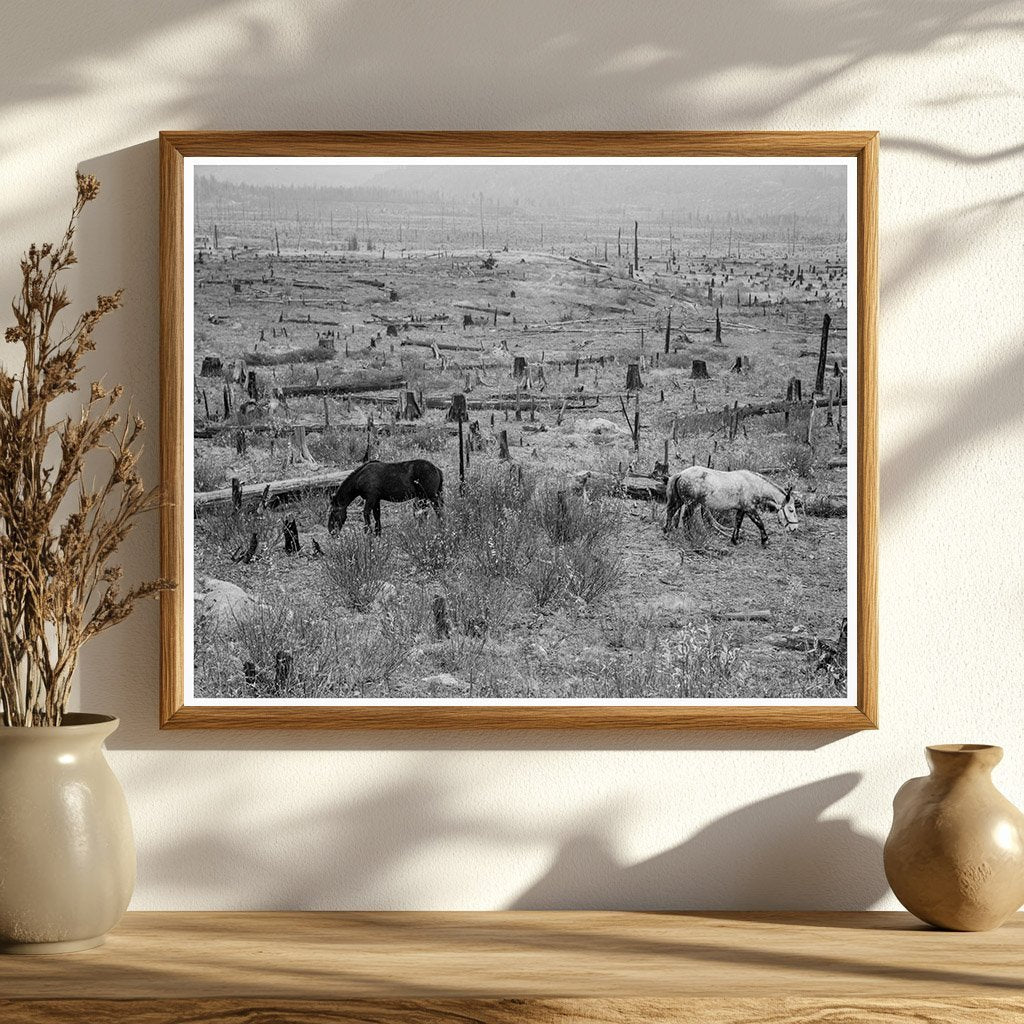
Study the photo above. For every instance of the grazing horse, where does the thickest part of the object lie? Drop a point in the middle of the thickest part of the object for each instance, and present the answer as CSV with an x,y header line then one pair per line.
x,y
375,482
740,490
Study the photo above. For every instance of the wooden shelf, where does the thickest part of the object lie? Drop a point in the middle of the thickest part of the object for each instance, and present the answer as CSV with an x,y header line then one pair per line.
x,y
417,968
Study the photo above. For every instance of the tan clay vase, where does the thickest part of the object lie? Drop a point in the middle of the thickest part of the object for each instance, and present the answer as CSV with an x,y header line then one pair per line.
x,y
955,855
67,856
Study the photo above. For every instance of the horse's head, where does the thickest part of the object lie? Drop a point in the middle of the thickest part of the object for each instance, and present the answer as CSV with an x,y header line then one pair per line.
x,y
336,519
787,511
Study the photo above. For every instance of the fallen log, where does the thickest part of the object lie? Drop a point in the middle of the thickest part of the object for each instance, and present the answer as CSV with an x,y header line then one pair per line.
x,y
491,310
754,615
277,492
343,387
442,345
209,432
791,641
292,355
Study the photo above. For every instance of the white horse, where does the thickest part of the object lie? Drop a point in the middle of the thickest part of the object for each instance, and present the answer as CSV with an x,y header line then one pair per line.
x,y
740,490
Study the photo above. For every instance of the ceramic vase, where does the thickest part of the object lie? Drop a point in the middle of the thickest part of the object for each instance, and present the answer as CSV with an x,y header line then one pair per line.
x,y
67,855
955,854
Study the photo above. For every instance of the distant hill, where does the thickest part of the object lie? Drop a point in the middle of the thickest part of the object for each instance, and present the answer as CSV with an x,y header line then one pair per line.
x,y
728,192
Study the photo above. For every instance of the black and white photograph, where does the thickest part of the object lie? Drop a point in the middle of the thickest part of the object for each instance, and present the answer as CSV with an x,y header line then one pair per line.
x,y
520,430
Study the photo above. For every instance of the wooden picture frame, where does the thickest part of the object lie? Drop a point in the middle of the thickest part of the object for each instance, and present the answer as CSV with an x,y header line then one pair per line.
x,y
858,712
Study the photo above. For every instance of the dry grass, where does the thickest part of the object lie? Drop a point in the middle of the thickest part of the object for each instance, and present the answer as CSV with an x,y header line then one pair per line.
x,y
539,581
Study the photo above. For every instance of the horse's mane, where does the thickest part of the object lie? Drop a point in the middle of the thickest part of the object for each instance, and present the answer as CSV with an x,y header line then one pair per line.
x,y
770,483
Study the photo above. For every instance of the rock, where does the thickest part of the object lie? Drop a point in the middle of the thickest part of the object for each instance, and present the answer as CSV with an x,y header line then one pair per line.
x,y
223,604
442,684
673,604
597,425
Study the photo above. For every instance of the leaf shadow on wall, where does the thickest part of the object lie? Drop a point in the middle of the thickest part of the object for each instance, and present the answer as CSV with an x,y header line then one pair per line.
x,y
778,853
404,844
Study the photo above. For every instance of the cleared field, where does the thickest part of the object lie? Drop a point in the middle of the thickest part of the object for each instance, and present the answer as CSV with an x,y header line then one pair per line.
x,y
544,577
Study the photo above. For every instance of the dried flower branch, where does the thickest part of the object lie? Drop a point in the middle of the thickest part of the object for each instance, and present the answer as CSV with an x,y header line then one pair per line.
x,y
57,586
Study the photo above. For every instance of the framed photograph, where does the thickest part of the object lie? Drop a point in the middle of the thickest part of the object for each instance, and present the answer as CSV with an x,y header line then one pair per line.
x,y
519,430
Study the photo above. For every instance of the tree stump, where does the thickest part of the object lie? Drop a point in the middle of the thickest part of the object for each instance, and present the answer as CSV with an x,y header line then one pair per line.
x,y
457,412
794,390
240,442
236,494
212,367
819,380
391,331
718,329
737,367
467,320
442,627
503,452
633,382
291,537
408,407
301,448
248,553
699,370
519,367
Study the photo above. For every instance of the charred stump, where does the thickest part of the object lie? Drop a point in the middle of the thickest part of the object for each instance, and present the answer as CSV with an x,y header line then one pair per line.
x,y
699,370
819,380
457,411
291,537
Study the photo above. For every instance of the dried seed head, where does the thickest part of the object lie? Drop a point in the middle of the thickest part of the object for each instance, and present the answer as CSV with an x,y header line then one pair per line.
x,y
88,186
97,391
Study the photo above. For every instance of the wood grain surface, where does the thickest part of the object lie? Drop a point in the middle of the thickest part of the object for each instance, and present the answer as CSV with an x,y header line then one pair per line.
x,y
526,954
176,146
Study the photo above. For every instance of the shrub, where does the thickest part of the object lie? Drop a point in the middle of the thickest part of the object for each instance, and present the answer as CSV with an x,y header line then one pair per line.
x,y
338,447
359,565
544,576
208,472
567,517
700,661
589,575
432,544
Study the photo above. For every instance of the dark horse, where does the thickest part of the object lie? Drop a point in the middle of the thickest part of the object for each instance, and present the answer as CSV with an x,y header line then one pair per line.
x,y
375,482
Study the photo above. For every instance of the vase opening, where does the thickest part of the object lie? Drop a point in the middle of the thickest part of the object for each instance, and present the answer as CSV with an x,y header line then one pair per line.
x,y
959,757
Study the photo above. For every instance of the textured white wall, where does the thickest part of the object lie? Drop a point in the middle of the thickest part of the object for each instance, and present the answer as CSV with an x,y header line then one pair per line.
x,y
753,820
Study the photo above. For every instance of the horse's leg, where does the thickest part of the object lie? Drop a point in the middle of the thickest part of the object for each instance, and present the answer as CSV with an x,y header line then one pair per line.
x,y
752,513
367,507
673,509
376,515
437,501
736,528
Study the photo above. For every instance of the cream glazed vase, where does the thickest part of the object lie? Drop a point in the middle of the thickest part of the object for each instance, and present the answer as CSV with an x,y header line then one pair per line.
x,y
955,855
67,855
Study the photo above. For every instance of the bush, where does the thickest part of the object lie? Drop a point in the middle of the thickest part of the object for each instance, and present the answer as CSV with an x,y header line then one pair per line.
x,y
208,472
544,577
701,661
359,565
432,544
567,517
589,575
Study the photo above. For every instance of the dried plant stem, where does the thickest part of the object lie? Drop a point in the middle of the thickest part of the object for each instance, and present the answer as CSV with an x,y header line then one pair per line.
x,y
58,588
